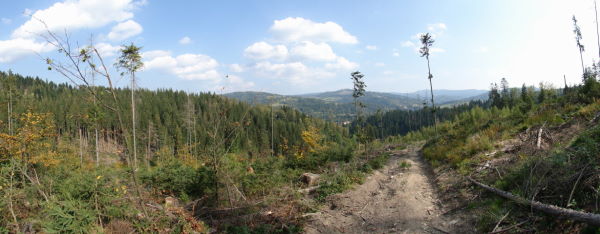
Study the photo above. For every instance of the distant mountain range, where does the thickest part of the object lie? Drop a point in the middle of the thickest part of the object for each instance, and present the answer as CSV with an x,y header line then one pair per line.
x,y
339,105
445,96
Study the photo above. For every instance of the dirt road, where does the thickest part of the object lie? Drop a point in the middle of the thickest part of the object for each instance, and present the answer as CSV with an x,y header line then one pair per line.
x,y
398,198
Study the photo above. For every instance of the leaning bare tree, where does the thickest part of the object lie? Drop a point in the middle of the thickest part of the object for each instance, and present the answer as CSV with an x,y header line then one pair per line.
x,y
578,37
80,65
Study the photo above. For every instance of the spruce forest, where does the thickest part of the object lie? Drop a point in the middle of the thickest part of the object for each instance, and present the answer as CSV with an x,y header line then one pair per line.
x,y
86,147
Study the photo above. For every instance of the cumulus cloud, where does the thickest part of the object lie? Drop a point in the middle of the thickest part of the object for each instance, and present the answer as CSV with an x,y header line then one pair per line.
x,y
236,68
262,51
185,40
343,64
125,30
107,50
437,28
371,47
313,51
27,12
300,29
236,83
408,44
72,15
295,72
379,64
300,52
185,66
13,49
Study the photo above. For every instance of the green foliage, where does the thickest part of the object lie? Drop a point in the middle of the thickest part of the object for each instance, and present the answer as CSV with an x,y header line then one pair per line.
x,y
68,216
376,163
338,182
400,122
404,164
179,179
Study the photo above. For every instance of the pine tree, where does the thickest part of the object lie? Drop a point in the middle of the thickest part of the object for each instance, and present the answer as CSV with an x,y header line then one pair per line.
x,y
427,41
578,37
130,61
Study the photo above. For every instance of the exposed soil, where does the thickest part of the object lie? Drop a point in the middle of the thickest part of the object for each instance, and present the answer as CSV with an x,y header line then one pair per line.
x,y
395,199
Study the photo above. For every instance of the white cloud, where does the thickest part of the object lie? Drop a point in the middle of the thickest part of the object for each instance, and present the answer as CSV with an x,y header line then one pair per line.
x,y
236,83
313,51
262,51
437,28
434,50
185,66
395,54
343,64
379,64
6,21
13,49
71,15
185,40
125,30
435,31
408,44
295,72
236,68
295,29
27,12
149,55
371,47
107,50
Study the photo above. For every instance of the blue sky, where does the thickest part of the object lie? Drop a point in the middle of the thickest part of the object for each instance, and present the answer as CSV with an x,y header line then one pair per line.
x,y
292,47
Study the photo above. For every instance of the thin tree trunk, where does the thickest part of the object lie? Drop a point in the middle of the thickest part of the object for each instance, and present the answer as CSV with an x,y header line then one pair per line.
x,y
432,100
80,148
10,132
148,146
272,130
133,120
10,193
581,57
96,146
597,30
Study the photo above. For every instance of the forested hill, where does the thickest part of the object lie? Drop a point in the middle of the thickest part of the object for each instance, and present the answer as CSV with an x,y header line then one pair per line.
x,y
335,106
373,100
332,111
168,120
339,105
446,96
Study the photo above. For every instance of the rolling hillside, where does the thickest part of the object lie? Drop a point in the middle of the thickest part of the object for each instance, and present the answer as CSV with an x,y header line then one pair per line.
x,y
339,105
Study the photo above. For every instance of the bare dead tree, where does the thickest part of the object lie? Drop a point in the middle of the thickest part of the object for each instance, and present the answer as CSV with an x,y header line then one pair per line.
x,y
79,65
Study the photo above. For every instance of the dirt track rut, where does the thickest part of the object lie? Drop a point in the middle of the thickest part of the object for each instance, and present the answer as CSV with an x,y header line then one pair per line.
x,y
394,199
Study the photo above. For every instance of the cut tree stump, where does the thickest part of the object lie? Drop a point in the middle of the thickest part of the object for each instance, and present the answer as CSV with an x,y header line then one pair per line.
x,y
310,179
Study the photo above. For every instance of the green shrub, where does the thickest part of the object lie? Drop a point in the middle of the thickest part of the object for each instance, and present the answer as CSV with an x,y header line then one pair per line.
x,y
338,183
404,164
69,216
180,179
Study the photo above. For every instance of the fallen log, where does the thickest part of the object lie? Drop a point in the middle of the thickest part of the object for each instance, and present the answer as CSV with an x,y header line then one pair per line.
x,y
589,218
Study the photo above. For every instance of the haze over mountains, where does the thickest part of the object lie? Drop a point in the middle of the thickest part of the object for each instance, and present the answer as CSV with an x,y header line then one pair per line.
x,y
339,105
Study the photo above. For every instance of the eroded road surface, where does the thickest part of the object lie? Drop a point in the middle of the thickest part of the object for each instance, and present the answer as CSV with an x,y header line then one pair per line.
x,y
395,199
